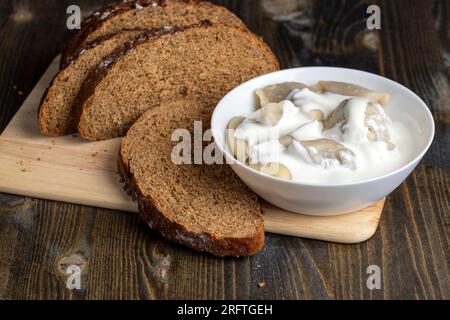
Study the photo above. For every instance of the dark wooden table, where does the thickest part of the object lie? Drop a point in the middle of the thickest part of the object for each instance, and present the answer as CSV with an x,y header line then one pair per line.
x,y
121,258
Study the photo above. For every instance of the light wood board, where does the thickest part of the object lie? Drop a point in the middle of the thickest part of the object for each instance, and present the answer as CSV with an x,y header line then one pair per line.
x,y
70,169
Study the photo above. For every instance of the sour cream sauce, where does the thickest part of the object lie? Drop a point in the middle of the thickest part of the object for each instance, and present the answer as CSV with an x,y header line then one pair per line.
x,y
365,159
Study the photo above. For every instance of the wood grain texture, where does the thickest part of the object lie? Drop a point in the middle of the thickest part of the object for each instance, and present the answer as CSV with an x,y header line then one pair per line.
x,y
121,258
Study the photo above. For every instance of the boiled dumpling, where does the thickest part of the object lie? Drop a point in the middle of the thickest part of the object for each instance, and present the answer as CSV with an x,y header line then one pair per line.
x,y
273,169
349,89
271,114
278,92
325,153
238,147
374,119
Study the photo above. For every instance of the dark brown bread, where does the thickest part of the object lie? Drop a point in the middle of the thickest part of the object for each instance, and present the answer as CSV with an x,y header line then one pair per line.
x,y
205,207
203,61
146,14
58,114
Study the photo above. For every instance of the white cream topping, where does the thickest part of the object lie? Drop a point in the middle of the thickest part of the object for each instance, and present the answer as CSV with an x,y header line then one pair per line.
x,y
343,153
309,100
311,130
253,131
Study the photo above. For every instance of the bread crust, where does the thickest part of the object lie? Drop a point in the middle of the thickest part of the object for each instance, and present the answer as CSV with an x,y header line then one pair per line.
x,y
173,231
98,18
42,104
93,22
97,75
42,128
79,50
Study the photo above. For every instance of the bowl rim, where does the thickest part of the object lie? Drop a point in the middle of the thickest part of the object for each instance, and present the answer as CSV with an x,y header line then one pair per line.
x,y
418,158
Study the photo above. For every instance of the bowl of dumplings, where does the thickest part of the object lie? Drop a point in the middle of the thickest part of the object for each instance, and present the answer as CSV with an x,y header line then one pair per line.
x,y
322,140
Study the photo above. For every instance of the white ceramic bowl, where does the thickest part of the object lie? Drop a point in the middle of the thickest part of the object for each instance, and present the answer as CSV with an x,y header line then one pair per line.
x,y
325,199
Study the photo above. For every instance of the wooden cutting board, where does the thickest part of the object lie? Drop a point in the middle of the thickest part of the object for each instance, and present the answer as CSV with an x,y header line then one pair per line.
x,y
73,170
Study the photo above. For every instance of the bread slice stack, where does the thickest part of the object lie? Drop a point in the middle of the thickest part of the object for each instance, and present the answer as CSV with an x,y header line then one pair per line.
x,y
157,67
203,61
59,113
101,33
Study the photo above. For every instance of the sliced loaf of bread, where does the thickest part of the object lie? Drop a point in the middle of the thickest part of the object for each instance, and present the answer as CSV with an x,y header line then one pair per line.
x,y
145,14
203,61
58,114
205,207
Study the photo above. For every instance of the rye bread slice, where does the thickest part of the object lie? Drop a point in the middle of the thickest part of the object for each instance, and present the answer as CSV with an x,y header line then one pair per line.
x,y
203,62
58,112
205,207
146,14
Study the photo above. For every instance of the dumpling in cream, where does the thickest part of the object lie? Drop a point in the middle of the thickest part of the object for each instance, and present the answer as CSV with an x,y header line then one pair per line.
x,y
278,92
357,115
349,89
